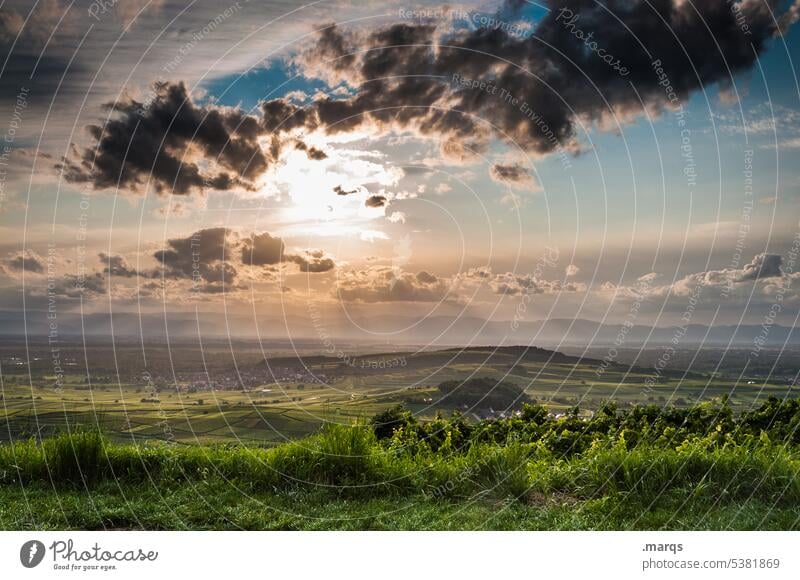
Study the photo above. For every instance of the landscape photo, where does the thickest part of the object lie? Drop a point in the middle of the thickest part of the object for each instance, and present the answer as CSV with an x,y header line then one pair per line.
x,y
482,265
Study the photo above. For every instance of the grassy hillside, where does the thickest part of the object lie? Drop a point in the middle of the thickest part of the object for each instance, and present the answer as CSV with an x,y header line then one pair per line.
x,y
646,467
291,398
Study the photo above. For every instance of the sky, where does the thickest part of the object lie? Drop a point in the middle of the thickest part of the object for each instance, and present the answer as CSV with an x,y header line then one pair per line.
x,y
372,165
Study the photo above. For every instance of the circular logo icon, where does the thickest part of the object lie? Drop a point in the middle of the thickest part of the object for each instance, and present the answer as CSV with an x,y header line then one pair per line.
x,y
31,553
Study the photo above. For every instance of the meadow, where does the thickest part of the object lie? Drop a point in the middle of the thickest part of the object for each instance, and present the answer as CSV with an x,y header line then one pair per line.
x,y
645,467
140,404
481,438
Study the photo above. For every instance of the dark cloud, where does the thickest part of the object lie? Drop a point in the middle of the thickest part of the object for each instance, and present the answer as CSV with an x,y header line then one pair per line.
x,y
375,201
72,286
28,261
426,277
405,74
331,56
213,256
382,284
339,190
512,174
763,266
312,152
205,256
281,116
162,142
262,249
266,250
312,261
118,266
33,49
417,78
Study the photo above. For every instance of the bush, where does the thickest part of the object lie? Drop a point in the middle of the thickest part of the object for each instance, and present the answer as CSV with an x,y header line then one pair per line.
x,y
642,453
384,423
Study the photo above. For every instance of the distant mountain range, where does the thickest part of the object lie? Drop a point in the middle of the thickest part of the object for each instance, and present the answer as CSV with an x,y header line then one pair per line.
x,y
437,331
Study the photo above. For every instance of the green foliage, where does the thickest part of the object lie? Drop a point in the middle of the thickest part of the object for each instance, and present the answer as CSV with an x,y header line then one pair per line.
x,y
482,393
696,468
76,457
385,423
641,460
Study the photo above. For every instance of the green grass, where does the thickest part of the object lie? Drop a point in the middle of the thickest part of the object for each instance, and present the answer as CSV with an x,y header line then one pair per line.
x,y
216,505
254,417
344,477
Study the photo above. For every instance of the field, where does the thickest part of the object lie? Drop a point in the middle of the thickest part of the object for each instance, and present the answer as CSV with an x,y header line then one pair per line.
x,y
251,401
480,438
645,468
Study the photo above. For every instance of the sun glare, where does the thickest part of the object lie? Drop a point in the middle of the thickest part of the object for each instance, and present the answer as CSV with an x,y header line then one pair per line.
x,y
312,187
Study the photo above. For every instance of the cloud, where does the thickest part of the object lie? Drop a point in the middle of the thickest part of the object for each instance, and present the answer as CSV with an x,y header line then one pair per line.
x,y
28,261
667,52
128,10
312,261
330,57
571,270
763,266
384,284
375,201
426,277
23,38
262,249
313,153
711,284
166,141
339,190
397,217
417,78
513,175
213,258
205,255
73,286
514,284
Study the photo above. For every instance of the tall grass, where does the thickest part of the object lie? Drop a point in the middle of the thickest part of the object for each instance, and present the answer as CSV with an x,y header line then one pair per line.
x,y
70,457
349,459
733,472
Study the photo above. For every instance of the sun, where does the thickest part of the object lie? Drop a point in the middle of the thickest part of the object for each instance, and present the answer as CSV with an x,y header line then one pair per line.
x,y
328,195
